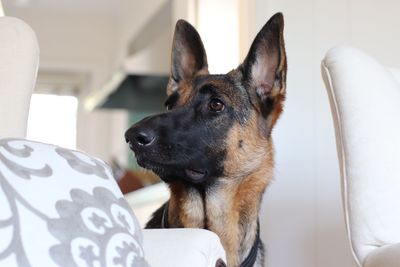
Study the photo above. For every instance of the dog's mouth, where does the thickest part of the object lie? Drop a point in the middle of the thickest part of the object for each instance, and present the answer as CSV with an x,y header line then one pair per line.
x,y
196,176
172,172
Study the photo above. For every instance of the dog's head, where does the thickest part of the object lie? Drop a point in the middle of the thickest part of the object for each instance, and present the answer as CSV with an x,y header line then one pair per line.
x,y
215,125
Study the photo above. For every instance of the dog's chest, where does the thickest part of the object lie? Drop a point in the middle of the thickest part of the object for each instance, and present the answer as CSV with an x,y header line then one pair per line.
x,y
192,214
206,209
214,210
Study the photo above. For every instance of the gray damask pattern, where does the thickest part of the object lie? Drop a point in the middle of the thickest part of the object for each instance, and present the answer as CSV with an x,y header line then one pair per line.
x,y
13,197
96,219
98,169
92,228
17,169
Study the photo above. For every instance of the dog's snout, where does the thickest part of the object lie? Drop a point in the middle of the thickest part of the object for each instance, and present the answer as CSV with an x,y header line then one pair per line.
x,y
145,138
140,137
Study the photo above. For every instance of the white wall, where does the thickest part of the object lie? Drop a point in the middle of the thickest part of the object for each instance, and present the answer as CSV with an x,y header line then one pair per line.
x,y
288,216
302,218
219,33
131,17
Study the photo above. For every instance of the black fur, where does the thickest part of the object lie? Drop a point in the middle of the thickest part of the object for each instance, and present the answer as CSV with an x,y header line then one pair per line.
x,y
156,218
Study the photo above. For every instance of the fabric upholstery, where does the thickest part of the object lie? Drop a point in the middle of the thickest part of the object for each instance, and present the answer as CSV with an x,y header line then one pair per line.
x,y
62,208
386,256
19,54
365,104
182,247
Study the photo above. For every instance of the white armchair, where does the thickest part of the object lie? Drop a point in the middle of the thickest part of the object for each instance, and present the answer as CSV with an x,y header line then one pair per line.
x,y
365,103
19,54
61,207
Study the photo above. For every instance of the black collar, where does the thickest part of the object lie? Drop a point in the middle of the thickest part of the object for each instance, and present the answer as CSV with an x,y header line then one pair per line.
x,y
164,219
249,261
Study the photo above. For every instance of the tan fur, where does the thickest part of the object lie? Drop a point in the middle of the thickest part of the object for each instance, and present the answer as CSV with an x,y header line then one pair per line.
x,y
241,189
187,206
237,195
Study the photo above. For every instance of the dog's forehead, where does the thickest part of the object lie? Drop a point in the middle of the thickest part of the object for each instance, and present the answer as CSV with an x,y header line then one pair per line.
x,y
222,83
216,80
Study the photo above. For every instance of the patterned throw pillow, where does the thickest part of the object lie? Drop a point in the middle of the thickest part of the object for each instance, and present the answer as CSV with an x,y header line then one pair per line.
x,y
62,208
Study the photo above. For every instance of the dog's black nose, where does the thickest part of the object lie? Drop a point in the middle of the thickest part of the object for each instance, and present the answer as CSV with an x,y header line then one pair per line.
x,y
145,138
140,137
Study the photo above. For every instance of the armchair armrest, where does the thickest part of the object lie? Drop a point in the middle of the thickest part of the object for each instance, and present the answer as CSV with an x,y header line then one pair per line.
x,y
182,247
385,256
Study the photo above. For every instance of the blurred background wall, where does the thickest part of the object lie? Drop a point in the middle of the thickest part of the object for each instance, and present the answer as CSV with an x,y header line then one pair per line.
x,y
303,211
86,42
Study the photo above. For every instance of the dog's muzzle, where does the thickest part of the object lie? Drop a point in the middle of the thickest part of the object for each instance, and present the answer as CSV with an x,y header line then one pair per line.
x,y
154,150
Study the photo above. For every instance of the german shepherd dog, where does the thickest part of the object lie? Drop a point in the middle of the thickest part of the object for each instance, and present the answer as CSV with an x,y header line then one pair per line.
x,y
213,145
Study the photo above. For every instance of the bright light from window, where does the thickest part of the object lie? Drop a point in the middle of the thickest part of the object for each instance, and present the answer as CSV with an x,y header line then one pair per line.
x,y
1,10
52,119
222,41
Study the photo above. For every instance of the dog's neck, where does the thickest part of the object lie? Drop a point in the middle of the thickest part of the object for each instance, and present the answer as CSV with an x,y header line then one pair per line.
x,y
228,207
251,257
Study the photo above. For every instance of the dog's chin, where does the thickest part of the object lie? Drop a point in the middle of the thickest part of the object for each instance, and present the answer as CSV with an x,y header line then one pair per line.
x,y
174,172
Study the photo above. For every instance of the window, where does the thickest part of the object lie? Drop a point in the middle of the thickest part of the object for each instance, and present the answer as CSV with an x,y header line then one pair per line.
x,y
53,119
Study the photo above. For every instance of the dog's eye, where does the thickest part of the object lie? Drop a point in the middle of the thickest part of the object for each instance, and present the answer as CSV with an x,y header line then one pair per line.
x,y
216,105
172,100
169,104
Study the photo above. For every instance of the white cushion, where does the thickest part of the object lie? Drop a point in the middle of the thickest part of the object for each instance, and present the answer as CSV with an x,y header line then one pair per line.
x,y
19,54
182,247
365,103
386,256
396,74
62,208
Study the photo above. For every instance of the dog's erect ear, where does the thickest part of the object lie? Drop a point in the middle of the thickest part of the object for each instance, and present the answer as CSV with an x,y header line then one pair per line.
x,y
188,55
264,69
